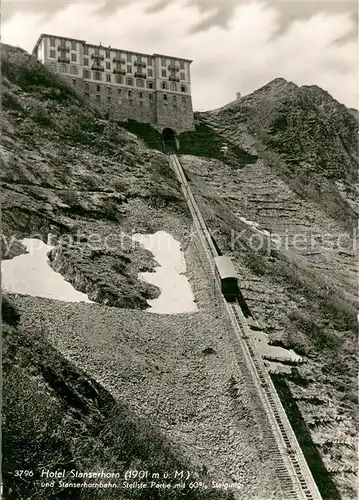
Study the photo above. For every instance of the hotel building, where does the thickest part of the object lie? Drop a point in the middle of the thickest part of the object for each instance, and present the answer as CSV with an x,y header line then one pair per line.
x,y
149,88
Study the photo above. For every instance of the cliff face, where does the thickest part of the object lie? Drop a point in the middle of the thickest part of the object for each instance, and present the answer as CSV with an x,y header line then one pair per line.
x,y
85,185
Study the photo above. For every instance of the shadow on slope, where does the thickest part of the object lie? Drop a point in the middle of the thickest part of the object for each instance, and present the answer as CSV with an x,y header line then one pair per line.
x,y
151,137
206,143
321,476
55,417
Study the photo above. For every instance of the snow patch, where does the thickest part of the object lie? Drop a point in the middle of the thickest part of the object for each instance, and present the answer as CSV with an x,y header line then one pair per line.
x,y
176,292
279,353
31,274
253,224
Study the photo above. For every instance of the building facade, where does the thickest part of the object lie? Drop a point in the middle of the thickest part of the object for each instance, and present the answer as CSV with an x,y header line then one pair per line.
x,y
149,88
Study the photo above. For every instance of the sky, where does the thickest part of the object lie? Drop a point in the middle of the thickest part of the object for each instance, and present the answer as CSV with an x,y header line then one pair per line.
x,y
236,46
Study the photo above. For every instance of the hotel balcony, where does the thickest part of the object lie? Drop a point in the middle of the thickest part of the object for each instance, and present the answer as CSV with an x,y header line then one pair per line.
x,y
119,71
63,48
118,60
140,64
97,67
173,78
139,74
65,60
99,57
173,67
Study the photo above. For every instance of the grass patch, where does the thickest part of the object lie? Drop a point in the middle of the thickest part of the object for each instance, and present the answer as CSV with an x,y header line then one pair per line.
x,y
30,74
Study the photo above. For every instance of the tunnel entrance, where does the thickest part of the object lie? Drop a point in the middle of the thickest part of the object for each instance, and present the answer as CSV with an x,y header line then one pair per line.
x,y
170,140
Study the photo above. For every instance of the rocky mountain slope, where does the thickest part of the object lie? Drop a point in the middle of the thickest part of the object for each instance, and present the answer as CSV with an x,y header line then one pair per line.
x,y
96,374
287,215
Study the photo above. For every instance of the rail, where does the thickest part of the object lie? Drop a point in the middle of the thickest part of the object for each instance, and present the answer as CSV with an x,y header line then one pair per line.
x,y
288,460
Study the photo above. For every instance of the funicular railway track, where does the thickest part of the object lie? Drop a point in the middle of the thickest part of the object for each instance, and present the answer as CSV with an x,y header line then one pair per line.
x,y
287,457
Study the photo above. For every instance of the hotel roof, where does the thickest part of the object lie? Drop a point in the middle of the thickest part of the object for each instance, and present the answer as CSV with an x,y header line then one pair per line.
x,y
103,46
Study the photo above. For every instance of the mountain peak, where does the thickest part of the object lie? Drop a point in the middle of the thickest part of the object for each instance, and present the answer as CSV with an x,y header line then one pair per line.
x,y
275,86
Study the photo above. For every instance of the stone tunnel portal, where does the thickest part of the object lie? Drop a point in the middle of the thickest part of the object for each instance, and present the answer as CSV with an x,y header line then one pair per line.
x,y
170,139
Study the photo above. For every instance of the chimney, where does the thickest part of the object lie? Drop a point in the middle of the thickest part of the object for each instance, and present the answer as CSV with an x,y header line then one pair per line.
x,y
238,95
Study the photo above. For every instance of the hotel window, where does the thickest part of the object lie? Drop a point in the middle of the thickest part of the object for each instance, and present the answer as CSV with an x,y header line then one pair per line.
x,y
109,90
165,97
96,50
182,76
73,45
108,55
87,86
174,106
108,65
151,104
140,104
163,61
129,57
150,96
86,61
129,93
183,99
52,41
129,69
173,86
150,72
98,88
181,64
52,54
139,58
108,98
119,91
129,81
98,98
184,107
86,50
119,79
140,95
73,58
150,85
183,88
149,61
87,74
140,83
53,65
108,78
73,70
164,73
174,98
97,75
130,102
164,85
74,81
62,68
